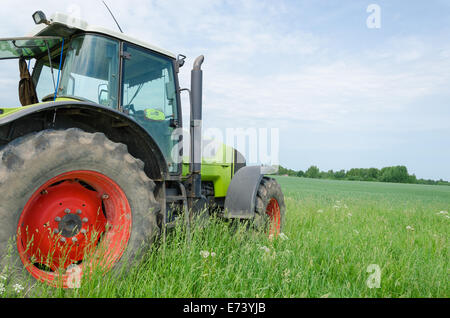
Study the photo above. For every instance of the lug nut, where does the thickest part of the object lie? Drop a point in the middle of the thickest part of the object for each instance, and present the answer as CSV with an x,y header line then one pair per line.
x,y
105,196
84,220
58,219
78,211
67,210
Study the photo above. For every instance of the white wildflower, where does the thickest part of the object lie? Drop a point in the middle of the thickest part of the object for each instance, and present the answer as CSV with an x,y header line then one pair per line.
x,y
18,288
265,249
283,236
2,277
204,254
336,207
410,228
74,275
2,288
213,254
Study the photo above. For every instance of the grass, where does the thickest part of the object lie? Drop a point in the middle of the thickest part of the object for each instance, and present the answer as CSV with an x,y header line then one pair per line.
x,y
335,230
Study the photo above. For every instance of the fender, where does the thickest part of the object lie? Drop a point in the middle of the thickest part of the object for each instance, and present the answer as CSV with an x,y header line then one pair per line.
x,y
241,194
89,117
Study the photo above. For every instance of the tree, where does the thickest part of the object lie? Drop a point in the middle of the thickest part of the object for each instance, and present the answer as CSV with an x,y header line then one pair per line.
x,y
312,172
339,174
412,179
397,174
373,174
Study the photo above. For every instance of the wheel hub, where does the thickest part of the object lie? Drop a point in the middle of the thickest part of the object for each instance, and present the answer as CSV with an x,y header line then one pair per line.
x,y
70,225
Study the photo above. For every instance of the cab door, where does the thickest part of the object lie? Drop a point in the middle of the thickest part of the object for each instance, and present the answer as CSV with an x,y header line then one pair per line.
x,y
148,94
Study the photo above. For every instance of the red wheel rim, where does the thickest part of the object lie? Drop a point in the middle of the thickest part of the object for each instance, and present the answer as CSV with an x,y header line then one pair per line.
x,y
75,220
274,213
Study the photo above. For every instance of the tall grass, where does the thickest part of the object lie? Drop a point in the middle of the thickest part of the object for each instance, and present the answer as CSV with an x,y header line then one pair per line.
x,y
334,231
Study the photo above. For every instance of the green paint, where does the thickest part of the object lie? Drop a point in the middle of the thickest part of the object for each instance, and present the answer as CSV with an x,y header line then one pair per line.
x,y
9,111
217,168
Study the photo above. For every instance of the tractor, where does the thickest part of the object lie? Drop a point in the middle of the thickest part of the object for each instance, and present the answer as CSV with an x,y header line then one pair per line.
x,y
91,167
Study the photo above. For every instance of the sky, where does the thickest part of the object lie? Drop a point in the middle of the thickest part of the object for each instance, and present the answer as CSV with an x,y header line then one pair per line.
x,y
346,86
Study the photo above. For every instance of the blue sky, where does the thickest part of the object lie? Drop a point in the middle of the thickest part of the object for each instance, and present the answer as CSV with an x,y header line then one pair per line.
x,y
342,95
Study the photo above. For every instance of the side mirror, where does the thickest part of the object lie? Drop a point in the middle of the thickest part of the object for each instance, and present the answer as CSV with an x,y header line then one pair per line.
x,y
180,62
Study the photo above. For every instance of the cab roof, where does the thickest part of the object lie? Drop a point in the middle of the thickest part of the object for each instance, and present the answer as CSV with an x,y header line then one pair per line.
x,y
64,25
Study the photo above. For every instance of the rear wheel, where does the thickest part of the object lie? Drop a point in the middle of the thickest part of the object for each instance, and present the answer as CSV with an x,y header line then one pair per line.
x,y
73,200
270,207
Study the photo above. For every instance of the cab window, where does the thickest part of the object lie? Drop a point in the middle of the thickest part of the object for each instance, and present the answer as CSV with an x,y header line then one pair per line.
x,y
149,95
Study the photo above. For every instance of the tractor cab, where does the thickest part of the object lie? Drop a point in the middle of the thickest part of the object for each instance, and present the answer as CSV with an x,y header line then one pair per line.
x,y
67,59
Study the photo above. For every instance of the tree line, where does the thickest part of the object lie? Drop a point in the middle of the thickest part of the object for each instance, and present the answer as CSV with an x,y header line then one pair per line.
x,y
397,174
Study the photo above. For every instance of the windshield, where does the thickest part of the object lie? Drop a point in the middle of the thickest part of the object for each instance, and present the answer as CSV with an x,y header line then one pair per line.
x,y
90,71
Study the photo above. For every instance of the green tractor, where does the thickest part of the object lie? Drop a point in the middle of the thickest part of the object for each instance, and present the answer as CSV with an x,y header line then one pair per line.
x,y
91,164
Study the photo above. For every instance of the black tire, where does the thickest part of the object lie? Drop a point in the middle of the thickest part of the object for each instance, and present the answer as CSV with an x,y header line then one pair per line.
x,y
268,190
28,162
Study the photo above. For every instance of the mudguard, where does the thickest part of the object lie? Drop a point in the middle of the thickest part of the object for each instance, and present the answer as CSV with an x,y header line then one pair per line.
x,y
241,194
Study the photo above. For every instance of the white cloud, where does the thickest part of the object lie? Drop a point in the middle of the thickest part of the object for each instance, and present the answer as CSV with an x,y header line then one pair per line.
x,y
326,93
254,64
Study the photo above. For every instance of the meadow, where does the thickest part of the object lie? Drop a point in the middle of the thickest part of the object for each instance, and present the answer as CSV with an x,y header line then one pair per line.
x,y
341,239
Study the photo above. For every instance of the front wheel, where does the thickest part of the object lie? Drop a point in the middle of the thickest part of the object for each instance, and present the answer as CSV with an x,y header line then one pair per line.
x,y
270,207
72,200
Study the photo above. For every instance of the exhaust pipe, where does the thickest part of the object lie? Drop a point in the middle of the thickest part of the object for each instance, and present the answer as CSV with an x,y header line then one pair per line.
x,y
196,125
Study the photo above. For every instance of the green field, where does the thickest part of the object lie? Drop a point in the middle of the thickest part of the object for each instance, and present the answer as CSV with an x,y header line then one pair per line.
x,y
335,231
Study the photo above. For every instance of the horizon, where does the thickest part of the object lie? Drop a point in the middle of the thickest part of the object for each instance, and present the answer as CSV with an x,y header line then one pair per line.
x,y
346,170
